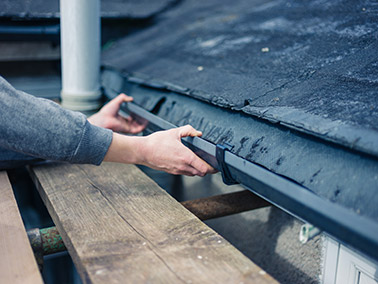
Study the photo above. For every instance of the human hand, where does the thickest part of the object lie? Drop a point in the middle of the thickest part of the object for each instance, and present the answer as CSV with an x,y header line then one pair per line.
x,y
164,151
108,117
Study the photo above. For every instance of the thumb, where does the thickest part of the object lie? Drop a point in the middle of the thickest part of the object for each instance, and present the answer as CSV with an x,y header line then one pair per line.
x,y
120,99
188,130
113,106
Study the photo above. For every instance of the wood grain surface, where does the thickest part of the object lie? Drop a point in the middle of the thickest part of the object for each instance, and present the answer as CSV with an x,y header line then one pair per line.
x,y
121,227
17,262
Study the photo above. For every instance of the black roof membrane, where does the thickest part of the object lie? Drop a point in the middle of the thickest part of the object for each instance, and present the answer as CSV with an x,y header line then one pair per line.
x,y
309,65
335,174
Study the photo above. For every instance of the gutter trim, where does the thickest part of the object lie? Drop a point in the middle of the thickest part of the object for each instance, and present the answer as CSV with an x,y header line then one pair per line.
x,y
345,225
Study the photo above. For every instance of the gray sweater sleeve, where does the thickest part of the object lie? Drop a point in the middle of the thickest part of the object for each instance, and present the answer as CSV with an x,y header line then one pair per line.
x,y
42,129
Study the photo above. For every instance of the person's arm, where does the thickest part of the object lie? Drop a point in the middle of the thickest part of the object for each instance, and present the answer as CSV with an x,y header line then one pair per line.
x,y
41,128
161,150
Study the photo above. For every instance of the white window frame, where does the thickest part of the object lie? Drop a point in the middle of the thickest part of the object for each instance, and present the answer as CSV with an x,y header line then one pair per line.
x,y
343,265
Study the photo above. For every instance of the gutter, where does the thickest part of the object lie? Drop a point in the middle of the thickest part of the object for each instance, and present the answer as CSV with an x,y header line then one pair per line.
x,y
348,227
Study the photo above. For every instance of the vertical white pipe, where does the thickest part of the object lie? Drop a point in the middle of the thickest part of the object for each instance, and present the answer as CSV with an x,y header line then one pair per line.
x,y
80,47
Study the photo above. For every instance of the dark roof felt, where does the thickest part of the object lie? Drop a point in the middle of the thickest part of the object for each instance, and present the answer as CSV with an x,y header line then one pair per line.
x,y
311,65
329,171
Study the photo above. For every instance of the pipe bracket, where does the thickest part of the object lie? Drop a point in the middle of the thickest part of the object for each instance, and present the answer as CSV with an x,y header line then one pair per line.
x,y
219,155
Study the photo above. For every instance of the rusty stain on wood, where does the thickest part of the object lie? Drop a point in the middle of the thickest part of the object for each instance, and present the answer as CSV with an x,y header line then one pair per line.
x,y
224,204
17,263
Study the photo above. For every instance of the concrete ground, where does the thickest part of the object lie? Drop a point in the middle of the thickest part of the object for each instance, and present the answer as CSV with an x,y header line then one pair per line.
x,y
268,236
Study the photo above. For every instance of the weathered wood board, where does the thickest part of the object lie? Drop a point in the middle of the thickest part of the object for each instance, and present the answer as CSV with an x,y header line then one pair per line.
x,y
17,262
121,227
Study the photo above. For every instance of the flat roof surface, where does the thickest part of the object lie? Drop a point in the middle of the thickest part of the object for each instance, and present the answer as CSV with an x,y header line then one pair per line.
x,y
310,65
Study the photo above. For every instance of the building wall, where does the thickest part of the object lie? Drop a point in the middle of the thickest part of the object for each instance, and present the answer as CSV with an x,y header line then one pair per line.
x,y
346,265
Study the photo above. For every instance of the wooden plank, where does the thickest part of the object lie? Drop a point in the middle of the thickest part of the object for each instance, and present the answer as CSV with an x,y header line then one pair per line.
x,y
121,227
17,262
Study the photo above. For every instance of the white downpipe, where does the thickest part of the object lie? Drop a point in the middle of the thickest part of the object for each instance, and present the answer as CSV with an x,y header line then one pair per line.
x,y
80,47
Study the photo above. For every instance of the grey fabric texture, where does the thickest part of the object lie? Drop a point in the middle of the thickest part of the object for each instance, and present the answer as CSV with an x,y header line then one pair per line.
x,y
34,128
